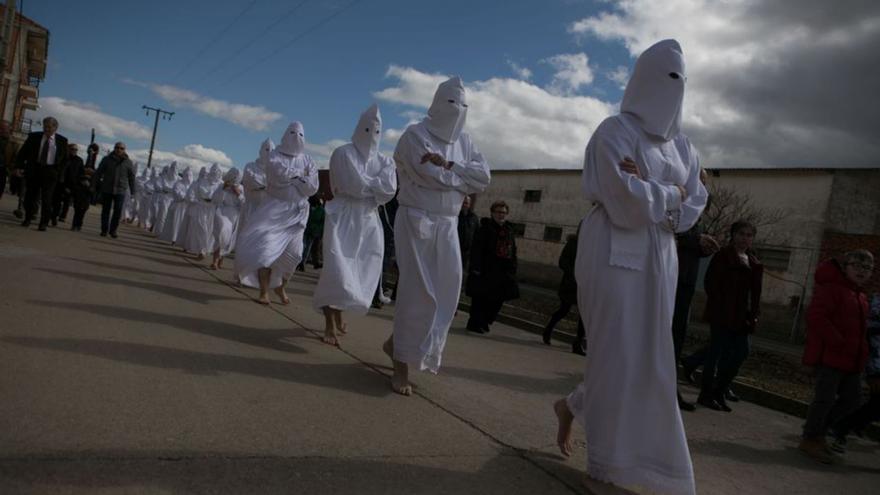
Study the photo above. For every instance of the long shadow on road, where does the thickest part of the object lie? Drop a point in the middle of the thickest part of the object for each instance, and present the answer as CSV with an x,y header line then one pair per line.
x,y
143,271
165,289
355,377
273,339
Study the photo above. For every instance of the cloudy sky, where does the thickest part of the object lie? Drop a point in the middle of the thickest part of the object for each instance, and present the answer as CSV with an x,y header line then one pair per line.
x,y
771,83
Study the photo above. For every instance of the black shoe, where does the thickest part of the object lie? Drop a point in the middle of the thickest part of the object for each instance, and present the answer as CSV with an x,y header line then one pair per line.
x,y
472,328
684,405
719,398
26,223
113,235
54,222
18,213
548,332
485,329
103,234
688,374
579,348
708,403
732,397
42,228
62,219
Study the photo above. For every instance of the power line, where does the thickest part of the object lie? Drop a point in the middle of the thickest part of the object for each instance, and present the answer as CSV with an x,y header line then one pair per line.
x,y
294,40
252,41
215,40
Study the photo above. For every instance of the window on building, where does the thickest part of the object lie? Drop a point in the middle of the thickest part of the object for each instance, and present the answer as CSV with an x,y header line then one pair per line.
x,y
519,229
774,258
553,234
532,196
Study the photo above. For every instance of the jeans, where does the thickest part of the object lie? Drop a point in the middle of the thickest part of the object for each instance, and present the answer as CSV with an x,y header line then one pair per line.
x,y
836,395
728,349
116,201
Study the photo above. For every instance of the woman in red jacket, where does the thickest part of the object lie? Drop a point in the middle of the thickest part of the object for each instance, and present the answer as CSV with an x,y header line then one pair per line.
x,y
837,345
733,296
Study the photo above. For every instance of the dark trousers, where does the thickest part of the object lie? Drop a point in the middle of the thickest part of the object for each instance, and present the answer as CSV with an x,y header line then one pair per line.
x,y
81,199
115,201
696,359
484,310
836,395
3,175
860,418
683,296
560,313
40,188
727,351
60,202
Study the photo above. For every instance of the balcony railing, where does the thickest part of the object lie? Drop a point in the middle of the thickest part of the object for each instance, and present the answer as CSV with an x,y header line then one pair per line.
x,y
24,125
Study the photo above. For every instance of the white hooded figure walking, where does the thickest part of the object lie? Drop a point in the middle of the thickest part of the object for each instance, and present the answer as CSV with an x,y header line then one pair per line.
x,y
228,199
253,180
437,165
131,201
361,179
199,239
270,245
177,210
643,176
164,196
145,207
191,200
157,179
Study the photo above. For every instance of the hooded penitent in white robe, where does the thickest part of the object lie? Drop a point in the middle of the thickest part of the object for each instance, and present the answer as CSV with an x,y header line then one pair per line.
x,y
253,180
200,212
190,200
164,196
426,225
362,179
140,193
157,179
626,272
272,237
131,201
227,200
145,208
177,211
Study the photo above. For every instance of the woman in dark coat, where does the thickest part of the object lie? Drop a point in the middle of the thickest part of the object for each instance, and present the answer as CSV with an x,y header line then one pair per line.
x,y
567,297
492,271
733,295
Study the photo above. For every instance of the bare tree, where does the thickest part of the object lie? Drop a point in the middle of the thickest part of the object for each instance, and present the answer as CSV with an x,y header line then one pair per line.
x,y
728,205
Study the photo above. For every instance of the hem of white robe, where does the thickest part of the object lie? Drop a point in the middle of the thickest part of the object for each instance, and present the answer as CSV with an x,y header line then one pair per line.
x,y
417,359
641,477
352,307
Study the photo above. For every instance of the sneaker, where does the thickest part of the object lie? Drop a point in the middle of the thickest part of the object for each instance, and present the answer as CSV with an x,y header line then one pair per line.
x,y
816,449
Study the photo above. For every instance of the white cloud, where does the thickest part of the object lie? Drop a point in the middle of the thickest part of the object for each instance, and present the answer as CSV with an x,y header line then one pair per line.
x,y
80,118
572,72
769,83
321,152
521,72
620,75
254,118
191,155
517,125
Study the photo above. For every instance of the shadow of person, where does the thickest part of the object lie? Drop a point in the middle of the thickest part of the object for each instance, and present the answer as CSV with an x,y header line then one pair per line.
x,y
127,268
165,289
274,339
787,456
561,384
173,260
354,377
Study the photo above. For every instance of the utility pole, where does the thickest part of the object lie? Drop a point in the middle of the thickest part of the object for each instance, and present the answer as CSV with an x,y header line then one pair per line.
x,y
165,116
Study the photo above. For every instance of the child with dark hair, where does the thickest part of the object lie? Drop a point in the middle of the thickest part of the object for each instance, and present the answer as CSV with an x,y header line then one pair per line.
x,y
837,346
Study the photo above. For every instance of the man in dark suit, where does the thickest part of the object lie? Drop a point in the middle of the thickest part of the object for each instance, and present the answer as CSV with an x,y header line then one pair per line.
x,y
41,159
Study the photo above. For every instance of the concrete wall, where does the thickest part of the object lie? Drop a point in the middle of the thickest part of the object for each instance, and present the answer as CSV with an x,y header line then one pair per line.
x,y
855,203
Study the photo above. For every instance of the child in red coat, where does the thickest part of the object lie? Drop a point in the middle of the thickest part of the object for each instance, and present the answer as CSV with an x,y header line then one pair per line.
x,y
837,345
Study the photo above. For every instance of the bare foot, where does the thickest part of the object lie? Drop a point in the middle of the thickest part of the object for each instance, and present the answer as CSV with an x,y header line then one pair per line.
x,y
264,299
282,295
220,264
563,434
343,329
200,257
400,381
330,336
214,266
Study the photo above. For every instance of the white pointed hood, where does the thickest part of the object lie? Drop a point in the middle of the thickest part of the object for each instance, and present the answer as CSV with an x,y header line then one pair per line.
x,y
232,176
448,111
215,174
187,177
172,171
293,142
203,173
368,132
265,148
655,92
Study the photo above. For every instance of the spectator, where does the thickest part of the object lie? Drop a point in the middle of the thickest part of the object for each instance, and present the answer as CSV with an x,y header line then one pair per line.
x,y
468,223
313,233
115,174
40,161
568,297
4,163
492,275
63,192
733,291
79,179
92,163
837,346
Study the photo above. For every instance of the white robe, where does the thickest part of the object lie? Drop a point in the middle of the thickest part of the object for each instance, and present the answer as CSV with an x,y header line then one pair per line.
x,y
145,205
626,271
164,197
228,208
253,181
200,213
353,238
176,213
272,237
426,241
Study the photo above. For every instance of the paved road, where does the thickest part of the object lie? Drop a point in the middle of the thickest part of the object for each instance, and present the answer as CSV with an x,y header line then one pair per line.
x,y
126,367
